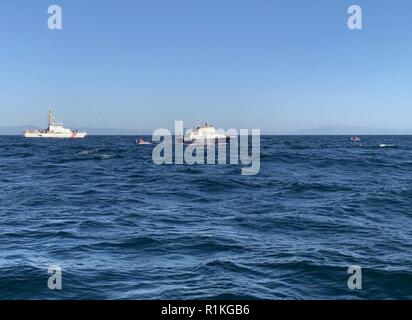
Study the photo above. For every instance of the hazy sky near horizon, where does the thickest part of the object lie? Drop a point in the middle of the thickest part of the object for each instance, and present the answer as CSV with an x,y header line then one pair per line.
x,y
280,66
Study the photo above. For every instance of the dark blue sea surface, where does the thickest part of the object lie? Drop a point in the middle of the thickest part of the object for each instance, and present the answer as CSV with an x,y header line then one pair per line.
x,y
122,227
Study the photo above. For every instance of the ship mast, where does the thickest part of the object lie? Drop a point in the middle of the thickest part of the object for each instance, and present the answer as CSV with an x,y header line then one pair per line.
x,y
50,117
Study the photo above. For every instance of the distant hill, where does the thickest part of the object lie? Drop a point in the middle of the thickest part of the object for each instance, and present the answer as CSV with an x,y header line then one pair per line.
x,y
18,130
349,130
113,132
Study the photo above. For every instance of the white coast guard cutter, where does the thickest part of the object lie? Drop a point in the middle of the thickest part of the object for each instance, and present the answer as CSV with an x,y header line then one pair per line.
x,y
54,130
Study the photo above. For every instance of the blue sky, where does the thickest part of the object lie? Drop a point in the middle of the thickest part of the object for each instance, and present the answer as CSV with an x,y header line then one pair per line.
x,y
276,65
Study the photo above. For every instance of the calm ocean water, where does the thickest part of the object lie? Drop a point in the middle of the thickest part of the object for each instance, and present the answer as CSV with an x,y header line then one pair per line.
x,y
122,227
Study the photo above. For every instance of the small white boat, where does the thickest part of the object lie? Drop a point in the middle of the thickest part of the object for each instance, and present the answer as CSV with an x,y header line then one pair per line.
x,y
54,130
356,139
204,133
141,141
